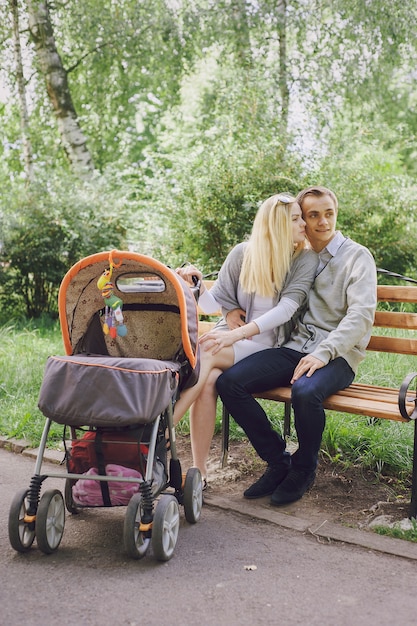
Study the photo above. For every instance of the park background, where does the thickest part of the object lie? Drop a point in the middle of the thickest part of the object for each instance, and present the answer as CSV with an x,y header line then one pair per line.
x,y
160,125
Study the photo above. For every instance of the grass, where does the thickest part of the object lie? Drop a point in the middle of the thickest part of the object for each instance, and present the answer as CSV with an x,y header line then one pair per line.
x,y
23,353
374,444
399,533
381,445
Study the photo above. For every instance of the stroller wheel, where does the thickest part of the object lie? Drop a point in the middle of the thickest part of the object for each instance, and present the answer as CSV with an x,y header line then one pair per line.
x,y
165,527
193,495
50,521
69,500
21,533
136,541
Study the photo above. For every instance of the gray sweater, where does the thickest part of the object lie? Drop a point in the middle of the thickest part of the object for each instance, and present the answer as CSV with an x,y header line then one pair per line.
x,y
296,286
341,308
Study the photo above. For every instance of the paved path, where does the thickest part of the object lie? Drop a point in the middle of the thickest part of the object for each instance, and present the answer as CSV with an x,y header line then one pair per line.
x,y
303,575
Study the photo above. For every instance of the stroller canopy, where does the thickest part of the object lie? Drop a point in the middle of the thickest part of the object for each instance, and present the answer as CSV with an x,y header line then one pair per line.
x,y
153,306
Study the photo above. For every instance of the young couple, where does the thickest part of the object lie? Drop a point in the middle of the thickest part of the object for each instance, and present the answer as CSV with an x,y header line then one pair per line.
x,y
292,315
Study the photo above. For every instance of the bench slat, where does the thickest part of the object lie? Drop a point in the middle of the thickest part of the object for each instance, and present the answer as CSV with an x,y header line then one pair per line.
x,y
365,406
359,399
396,293
205,327
394,345
393,319
283,394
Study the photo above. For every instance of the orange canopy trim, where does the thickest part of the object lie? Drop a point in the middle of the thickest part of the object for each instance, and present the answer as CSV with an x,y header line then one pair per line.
x,y
116,257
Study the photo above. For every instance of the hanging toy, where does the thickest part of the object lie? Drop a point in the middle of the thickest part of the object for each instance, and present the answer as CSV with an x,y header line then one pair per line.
x,y
113,316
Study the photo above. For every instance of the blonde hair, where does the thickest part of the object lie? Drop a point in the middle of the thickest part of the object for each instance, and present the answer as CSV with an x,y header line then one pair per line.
x,y
270,248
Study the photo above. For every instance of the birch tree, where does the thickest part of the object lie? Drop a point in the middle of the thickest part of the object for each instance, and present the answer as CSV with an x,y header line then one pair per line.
x,y
57,85
20,80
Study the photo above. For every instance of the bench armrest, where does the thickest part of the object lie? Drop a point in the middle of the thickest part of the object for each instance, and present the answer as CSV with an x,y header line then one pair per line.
x,y
402,397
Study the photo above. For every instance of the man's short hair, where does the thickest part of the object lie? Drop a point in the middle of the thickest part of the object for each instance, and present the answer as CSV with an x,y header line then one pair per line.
x,y
318,192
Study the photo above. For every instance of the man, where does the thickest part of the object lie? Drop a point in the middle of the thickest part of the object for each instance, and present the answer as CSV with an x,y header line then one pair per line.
x,y
320,358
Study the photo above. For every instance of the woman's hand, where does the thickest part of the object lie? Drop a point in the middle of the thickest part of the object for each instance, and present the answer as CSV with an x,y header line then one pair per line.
x,y
187,274
215,340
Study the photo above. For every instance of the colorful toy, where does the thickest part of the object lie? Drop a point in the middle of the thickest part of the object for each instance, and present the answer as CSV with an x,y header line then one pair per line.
x,y
113,316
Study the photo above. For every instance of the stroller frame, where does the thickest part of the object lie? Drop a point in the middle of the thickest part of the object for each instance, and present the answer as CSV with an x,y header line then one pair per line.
x,y
152,514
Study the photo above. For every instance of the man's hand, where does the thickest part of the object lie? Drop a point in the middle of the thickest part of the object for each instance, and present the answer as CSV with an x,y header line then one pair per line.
x,y
234,318
308,365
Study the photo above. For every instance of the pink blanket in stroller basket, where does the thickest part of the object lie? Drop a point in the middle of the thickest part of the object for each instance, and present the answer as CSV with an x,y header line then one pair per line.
x,y
85,390
88,492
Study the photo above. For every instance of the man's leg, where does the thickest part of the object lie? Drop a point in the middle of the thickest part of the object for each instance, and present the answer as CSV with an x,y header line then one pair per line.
x,y
259,372
307,398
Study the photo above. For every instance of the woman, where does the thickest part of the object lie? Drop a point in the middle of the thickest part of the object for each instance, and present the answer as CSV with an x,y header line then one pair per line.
x,y
261,285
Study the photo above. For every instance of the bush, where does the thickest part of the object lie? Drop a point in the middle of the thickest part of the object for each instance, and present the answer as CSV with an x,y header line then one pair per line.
x,y
45,231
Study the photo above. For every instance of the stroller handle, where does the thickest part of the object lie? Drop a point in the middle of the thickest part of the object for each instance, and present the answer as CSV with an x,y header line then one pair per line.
x,y
196,287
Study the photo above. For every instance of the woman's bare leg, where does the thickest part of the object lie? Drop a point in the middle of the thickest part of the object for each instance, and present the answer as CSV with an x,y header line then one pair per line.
x,y
203,421
221,360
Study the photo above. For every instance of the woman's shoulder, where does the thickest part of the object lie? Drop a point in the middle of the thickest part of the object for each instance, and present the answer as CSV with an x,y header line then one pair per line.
x,y
306,256
304,264
309,252
240,247
237,251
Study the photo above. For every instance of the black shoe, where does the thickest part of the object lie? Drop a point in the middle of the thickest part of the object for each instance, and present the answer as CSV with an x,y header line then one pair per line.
x,y
293,487
268,482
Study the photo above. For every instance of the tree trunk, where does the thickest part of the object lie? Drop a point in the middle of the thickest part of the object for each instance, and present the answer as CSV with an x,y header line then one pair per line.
x,y
283,78
24,117
73,139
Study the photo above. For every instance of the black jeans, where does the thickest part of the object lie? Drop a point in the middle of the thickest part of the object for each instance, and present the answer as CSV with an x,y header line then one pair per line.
x,y
274,368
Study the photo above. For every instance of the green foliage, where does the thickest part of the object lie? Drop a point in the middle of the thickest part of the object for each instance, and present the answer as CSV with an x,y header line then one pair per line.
x,y
184,113
124,71
368,443
220,157
377,198
361,55
219,199
46,229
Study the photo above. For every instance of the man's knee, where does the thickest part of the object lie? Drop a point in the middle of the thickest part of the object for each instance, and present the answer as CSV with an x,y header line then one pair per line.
x,y
303,391
228,381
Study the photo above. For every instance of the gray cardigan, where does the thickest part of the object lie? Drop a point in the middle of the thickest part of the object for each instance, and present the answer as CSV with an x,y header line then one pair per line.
x,y
296,286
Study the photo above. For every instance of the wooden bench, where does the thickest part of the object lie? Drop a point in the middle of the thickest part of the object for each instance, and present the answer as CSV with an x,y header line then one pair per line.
x,y
370,401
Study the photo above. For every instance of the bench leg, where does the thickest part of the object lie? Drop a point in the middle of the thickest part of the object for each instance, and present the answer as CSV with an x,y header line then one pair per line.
x,y
413,507
225,436
287,420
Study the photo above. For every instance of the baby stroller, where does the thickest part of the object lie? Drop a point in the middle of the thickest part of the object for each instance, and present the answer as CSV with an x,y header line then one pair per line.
x,y
130,330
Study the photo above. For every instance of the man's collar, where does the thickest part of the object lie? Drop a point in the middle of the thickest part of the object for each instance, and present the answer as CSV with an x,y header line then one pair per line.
x,y
334,245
